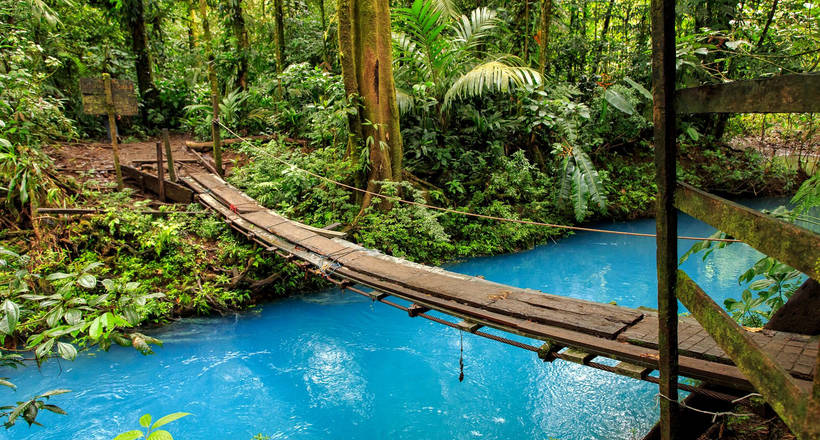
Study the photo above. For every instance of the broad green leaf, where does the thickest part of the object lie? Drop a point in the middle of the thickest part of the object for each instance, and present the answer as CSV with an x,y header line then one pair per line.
x,y
130,435
12,314
108,284
73,316
43,349
54,316
54,392
145,420
169,418
618,101
641,89
66,351
58,276
6,383
131,315
92,266
87,280
96,328
55,409
160,435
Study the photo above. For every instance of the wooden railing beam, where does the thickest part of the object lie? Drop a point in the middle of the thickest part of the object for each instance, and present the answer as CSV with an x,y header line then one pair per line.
x,y
798,247
769,378
798,93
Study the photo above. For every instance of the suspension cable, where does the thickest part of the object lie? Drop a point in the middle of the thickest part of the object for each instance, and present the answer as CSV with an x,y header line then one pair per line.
x,y
465,213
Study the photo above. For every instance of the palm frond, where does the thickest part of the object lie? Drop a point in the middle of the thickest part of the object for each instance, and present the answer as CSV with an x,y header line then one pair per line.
x,y
447,8
470,29
489,77
423,24
405,101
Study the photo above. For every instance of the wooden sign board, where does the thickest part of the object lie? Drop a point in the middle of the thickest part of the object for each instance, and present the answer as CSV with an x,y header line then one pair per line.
x,y
122,91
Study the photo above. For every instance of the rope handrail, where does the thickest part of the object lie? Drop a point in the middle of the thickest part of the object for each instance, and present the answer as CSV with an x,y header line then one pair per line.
x,y
471,214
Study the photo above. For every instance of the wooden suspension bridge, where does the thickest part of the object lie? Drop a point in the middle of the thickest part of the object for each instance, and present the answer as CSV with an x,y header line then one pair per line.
x,y
571,329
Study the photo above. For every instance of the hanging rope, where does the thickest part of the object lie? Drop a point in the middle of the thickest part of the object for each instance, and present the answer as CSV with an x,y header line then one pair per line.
x,y
461,357
464,213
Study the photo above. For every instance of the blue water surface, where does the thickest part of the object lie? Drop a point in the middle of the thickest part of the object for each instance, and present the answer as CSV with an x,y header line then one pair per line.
x,y
333,365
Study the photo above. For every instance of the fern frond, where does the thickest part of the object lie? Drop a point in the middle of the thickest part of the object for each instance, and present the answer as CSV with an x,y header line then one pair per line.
x,y
580,184
489,77
593,186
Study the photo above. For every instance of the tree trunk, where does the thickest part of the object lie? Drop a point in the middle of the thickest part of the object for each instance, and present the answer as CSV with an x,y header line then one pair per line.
x,y
325,55
367,71
242,46
768,24
607,19
209,50
544,35
279,37
135,15
191,25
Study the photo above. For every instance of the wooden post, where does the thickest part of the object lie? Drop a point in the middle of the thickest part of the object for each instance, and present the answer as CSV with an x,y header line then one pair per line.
x,y
172,173
112,127
663,80
160,172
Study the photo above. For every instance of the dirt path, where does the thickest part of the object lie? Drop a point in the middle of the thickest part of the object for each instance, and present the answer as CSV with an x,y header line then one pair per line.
x,y
96,156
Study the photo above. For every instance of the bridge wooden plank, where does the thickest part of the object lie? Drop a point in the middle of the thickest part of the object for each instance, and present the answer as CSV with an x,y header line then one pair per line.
x,y
791,350
712,372
599,319
226,193
264,219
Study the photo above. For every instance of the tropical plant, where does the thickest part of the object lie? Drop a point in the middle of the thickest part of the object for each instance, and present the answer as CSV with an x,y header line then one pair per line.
x,y
442,51
151,431
67,308
29,409
580,183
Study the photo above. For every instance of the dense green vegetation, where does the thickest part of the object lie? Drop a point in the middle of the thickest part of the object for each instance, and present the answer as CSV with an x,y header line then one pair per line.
x,y
523,110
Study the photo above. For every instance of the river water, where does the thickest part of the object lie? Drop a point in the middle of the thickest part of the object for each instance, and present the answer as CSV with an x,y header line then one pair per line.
x,y
333,365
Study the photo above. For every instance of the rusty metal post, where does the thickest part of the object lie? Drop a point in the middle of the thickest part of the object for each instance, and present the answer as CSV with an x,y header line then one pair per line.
x,y
112,127
663,94
160,172
172,172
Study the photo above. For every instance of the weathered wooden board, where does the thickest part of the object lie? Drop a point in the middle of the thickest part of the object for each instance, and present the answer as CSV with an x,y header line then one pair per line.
x,y
798,247
122,91
231,197
173,191
799,93
796,353
599,319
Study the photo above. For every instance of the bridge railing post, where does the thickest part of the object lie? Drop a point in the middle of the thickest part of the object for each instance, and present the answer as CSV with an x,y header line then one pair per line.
x,y
663,81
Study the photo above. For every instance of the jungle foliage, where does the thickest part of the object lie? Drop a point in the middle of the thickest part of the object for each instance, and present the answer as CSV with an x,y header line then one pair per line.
x,y
521,110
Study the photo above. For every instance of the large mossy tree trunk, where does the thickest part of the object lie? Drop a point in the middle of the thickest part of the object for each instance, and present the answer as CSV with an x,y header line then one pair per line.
x,y
242,45
134,14
365,53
